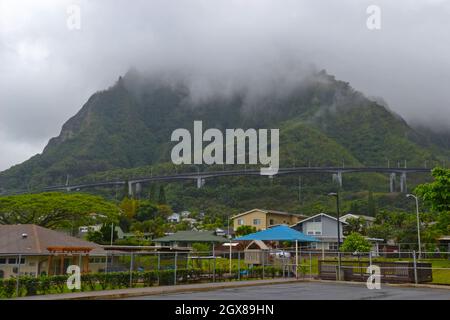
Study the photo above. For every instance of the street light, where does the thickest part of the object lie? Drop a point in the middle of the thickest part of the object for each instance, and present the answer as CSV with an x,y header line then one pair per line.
x,y
335,194
409,195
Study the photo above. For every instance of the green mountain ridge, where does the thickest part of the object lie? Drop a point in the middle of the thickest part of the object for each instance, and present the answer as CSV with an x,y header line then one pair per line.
x,y
124,131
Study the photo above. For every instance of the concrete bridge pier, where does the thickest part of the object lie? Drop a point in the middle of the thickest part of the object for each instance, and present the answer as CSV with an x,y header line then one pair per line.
x,y
130,189
403,186
200,182
138,188
392,179
337,177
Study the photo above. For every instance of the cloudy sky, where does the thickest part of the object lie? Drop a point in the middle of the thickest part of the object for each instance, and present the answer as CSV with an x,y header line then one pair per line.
x,y
48,70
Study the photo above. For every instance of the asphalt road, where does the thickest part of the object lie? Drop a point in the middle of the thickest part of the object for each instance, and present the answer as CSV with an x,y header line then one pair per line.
x,y
310,291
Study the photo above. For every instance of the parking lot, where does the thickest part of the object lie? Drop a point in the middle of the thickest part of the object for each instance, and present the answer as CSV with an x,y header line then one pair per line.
x,y
310,291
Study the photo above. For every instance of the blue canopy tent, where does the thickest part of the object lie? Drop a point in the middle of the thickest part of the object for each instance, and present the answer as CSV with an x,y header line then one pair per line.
x,y
280,233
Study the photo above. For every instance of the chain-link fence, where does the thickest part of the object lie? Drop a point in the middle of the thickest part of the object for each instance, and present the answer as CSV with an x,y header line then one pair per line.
x,y
30,275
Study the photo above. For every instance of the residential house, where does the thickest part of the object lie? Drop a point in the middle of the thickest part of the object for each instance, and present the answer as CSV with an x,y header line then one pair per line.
x,y
32,250
185,214
220,232
174,218
83,230
368,221
187,238
262,219
324,228
190,221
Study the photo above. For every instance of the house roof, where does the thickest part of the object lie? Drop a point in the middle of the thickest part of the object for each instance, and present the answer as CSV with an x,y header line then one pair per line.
x,y
319,214
38,239
267,211
351,215
260,244
278,233
192,236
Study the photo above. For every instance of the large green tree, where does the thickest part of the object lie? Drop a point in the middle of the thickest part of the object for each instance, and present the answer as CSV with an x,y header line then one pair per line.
x,y
244,230
56,210
355,242
437,193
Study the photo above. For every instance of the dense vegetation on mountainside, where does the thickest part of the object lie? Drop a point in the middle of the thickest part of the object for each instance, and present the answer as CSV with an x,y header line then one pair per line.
x,y
125,131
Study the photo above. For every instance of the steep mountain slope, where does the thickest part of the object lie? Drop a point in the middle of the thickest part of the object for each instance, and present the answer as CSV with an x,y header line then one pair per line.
x,y
322,121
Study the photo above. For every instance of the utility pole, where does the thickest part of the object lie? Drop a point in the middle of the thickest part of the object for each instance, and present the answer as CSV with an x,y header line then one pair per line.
x,y
336,194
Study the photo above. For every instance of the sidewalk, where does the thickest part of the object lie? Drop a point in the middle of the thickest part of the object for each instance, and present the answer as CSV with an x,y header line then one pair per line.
x,y
136,292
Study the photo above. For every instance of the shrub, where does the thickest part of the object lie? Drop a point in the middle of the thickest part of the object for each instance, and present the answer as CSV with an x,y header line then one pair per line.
x,y
103,279
45,284
30,284
166,277
59,282
9,287
88,281
149,278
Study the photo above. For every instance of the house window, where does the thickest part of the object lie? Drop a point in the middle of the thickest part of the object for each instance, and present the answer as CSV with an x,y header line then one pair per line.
x,y
314,228
256,222
271,222
14,261
2,261
241,222
333,246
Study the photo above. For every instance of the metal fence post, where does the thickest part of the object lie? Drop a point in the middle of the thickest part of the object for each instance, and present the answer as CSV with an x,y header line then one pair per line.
x,y
263,263
310,265
239,265
415,267
18,276
175,270
339,266
214,264
370,258
159,265
106,262
131,269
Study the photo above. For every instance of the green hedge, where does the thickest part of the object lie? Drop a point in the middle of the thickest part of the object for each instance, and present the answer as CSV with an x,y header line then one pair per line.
x,y
29,286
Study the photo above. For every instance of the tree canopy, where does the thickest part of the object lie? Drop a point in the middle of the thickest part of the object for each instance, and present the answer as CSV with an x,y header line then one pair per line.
x,y
437,193
56,210
355,242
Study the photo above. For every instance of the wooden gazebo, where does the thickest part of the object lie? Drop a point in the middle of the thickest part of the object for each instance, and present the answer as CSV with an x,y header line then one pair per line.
x,y
76,256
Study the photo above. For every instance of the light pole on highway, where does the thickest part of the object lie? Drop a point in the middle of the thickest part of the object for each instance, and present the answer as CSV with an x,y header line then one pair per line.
x,y
409,195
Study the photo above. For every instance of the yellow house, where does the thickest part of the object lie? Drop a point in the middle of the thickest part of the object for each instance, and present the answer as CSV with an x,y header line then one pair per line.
x,y
262,219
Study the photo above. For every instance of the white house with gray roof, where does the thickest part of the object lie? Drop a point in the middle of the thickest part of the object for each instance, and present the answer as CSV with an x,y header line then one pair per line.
x,y
324,228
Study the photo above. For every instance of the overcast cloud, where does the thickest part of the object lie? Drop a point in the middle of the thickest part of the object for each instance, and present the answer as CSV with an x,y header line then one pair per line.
x,y
48,71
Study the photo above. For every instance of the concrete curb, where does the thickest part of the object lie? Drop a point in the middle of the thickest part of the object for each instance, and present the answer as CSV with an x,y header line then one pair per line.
x,y
404,285
139,292
151,291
